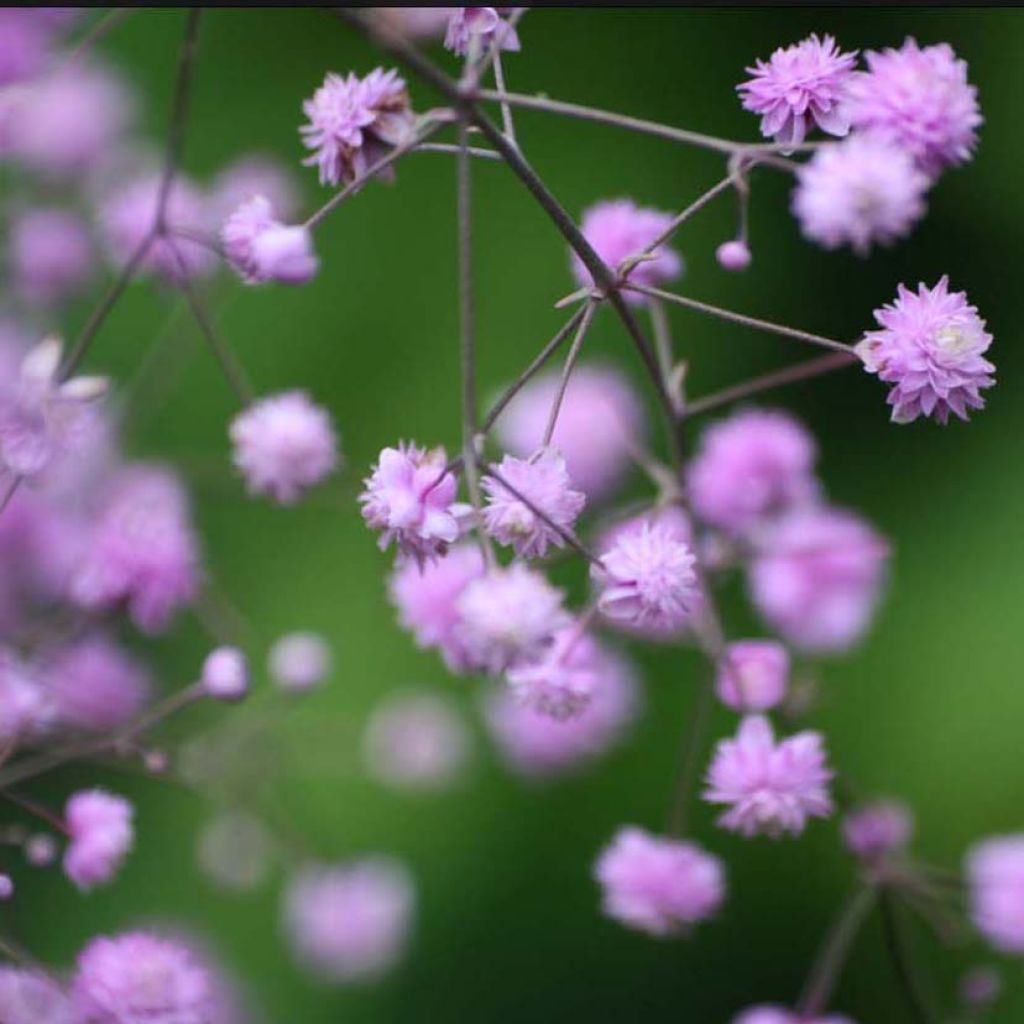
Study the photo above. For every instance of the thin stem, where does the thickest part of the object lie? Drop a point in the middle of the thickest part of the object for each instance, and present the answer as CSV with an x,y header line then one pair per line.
x,y
570,363
37,810
689,758
899,951
742,319
101,27
12,489
663,347
768,381
446,147
834,952
499,80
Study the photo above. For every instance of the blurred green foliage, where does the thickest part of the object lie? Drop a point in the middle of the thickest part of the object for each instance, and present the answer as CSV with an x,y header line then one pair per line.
x,y
930,708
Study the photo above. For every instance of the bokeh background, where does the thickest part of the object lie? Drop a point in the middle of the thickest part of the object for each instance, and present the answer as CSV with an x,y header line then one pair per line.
x,y
929,709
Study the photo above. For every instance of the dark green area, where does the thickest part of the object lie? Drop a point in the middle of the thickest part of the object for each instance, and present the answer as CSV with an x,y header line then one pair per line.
x,y
929,709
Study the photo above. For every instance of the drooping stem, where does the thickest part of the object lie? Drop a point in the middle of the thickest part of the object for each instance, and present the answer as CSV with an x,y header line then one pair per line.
x,y
899,951
768,381
570,363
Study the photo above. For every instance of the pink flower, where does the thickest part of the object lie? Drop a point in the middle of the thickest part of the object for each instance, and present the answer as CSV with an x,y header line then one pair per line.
x,y
95,684
544,481
920,100
877,829
353,121
24,45
299,661
600,421
50,255
26,710
30,997
142,550
349,922
101,834
561,681
426,598
410,498
647,578
995,877
41,415
261,248
283,445
771,788
617,229
536,744
750,468
415,740
225,674
817,576
658,885
485,24
803,85
138,978
508,616
733,255
931,349
859,192
777,1015
753,675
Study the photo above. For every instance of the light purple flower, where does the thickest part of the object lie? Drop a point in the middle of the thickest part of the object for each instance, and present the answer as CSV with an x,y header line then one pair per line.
x,y
24,45
299,661
931,349
225,674
537,745
544,481
260,248
733,255
777,1015
417,22
50,254
601,420
138,978
658,885
800,86
877,829
283,445
560,681
507,616
26,710
426,598
351,921
100,828
30,997
770,787
485,24
920,100
861,192
142,551
617,229
753,675
410,498
751,467
353,121
647,578
995,877
817,576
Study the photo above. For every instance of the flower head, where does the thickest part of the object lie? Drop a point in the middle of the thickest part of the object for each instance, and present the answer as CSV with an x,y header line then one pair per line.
x,y
353,120
750,468
261,248
485,24
753,675
647,578
138,978
995,877
777,1015
931,348
410,498
544,481
100,827
508,616
350,921
800,86
770,787
299,661
30,997
50,254
657,885
560,681
225,674
733,255
283,445
861,192
617,229
816,577
877,829
920,100
26,709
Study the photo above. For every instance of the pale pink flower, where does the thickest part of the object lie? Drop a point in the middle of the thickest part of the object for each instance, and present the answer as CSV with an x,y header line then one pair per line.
x,y
658,885
560,681
225,674
647,578
931,348
544,481
50,254
995,877
770,787
261,249
733,255
99,825
484,24
299,661
877,829
284,444
351,921
410,498
753,675
920,100
777,1015
26,710
28,996
800,86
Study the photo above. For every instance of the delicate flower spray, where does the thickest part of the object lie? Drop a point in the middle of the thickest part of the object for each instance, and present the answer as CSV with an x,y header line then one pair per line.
x,y
89,536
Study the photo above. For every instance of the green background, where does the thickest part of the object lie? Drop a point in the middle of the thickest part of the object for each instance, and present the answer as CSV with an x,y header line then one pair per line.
x,y
930,708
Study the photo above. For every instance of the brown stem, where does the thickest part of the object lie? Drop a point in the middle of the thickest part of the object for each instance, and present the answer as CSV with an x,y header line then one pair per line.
x,y
570,363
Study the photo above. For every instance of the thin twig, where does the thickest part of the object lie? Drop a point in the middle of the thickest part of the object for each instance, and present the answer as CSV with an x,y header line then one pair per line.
x,y
896,942
570,363
446,147
499,80
689,758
